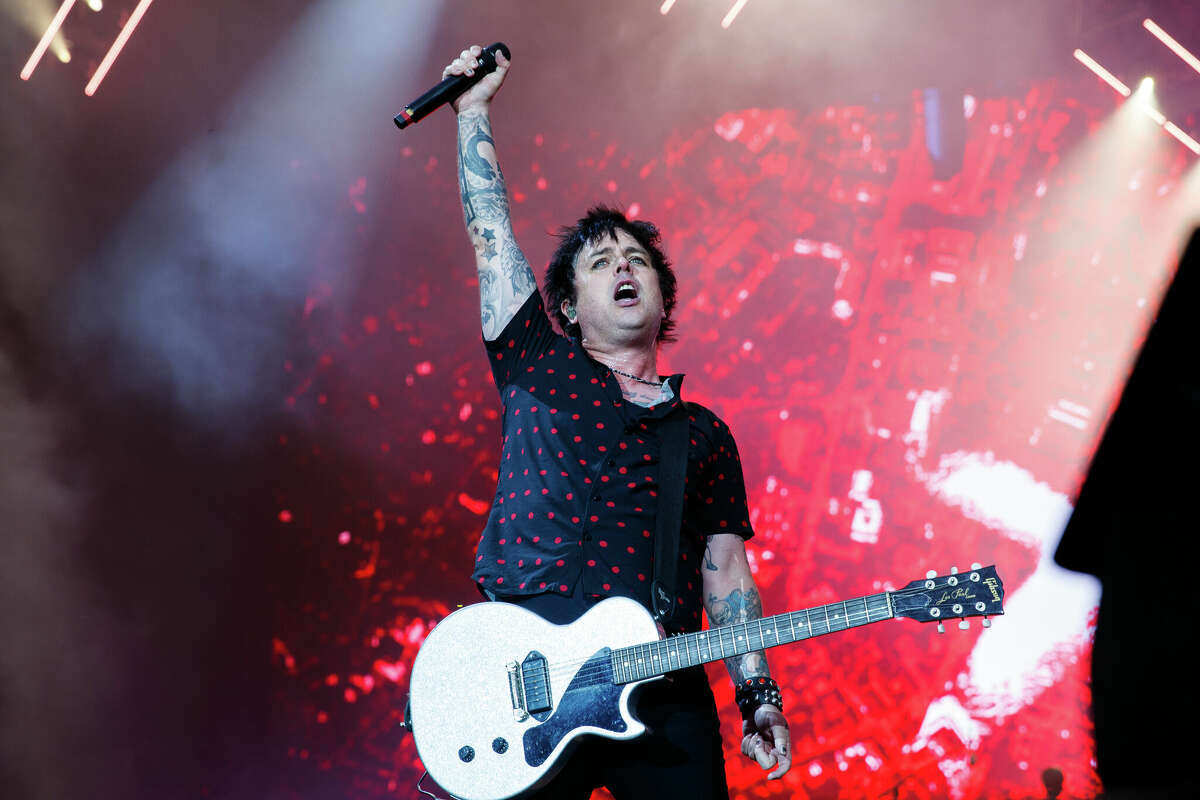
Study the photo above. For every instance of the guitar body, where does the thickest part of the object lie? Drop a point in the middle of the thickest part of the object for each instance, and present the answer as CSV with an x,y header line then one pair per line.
x,y
488,665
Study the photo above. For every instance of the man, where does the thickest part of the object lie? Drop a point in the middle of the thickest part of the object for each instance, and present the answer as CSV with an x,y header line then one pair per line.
x,y
573,518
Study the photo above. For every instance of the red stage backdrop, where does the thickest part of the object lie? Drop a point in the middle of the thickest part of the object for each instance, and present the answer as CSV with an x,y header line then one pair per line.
x,y
916,371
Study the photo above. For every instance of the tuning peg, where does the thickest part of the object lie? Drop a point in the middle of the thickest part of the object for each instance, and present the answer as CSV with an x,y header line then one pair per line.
x,y
963,624
931,574
954,570
976,565
987,623
941,628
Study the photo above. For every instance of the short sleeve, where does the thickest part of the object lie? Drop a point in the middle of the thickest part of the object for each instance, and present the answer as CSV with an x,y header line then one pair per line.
x,y
527,336
724,508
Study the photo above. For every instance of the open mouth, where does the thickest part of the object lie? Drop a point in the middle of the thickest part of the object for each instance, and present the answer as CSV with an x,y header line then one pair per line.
x,y
626,293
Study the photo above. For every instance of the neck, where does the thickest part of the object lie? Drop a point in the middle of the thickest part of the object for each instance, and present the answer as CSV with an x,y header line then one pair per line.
x,y
641,362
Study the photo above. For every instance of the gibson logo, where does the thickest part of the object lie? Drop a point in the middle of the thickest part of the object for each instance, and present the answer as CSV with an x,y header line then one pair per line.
x,y
961,593
991,584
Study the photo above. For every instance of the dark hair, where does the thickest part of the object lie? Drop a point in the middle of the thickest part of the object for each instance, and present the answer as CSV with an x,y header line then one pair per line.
x,y
599,223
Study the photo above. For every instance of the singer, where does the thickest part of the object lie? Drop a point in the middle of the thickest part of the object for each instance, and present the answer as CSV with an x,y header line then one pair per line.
x,y
582,480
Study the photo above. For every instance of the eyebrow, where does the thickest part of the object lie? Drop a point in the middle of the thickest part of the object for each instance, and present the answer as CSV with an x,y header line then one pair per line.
x,y
607,250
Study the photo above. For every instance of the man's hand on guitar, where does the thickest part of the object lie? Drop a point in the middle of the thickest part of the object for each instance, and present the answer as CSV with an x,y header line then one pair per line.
x,y
765,739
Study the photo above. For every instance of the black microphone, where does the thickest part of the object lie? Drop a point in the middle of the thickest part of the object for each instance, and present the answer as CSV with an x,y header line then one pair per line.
x,y
450,88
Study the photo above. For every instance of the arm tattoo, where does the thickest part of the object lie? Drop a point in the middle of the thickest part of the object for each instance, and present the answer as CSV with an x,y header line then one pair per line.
x,y
505,277
739,606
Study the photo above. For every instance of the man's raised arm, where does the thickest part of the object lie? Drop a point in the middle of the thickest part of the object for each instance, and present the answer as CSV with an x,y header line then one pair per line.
x,y
505,277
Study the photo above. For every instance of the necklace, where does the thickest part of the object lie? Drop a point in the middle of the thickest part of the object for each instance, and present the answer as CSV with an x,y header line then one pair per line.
x,y
658,382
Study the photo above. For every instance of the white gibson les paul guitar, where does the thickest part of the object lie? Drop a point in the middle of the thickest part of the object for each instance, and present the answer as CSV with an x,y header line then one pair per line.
x,y
499,696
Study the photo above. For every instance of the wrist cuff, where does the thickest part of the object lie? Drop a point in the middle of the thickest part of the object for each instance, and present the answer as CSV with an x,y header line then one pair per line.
x,y
754,692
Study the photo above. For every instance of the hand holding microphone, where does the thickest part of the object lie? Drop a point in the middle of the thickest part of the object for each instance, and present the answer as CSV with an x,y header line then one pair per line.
x,y
469,81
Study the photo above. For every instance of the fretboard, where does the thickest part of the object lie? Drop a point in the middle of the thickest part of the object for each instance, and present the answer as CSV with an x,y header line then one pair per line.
x,y
651,659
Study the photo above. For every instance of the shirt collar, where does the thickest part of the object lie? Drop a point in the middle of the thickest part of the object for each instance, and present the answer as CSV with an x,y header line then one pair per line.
x,y
602,371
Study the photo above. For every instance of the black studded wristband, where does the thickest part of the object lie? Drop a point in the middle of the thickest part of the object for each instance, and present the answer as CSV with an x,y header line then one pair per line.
x,y
754,692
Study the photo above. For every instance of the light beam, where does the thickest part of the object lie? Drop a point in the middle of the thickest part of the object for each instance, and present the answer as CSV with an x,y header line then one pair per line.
x,y
1178,133
1170,42
1105,75
117,45
733,12
47,37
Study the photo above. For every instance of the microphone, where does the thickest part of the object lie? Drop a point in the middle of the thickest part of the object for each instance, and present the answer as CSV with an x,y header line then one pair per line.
x,y
450,88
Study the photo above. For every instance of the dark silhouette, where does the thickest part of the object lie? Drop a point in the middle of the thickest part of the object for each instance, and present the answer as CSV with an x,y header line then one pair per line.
x,y
1134,526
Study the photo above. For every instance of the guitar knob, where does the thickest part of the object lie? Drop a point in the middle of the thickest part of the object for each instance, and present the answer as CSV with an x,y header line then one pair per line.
x,y
963,624
987,623
941,628
976,565
931,574
954,570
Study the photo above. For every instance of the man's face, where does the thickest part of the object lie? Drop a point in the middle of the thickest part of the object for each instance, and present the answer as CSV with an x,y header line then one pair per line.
x,y
617,297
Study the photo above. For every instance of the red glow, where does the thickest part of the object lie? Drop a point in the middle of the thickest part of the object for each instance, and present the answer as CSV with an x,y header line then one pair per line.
x,y
477,507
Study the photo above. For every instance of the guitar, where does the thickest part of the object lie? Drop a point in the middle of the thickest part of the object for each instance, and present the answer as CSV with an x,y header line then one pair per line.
x,y
498,695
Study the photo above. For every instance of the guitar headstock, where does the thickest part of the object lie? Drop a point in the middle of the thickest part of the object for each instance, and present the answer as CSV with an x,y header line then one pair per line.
x,y
977,593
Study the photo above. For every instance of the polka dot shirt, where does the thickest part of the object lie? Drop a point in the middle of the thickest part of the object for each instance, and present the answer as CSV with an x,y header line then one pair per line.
x,y
578,484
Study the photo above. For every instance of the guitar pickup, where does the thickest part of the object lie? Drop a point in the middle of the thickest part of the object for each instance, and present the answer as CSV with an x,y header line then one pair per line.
x,y
535,681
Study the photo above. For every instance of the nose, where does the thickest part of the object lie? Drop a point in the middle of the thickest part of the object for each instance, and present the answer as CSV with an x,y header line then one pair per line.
x,y
623,264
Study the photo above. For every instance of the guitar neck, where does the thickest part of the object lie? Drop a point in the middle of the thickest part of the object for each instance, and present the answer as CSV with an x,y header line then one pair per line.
x,y
652,659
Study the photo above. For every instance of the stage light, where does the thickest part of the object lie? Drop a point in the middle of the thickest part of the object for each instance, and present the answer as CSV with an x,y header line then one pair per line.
x,y
95,5
733,12
1104,75
1175,46
666,6
64,55
1144,99
47,37
115,50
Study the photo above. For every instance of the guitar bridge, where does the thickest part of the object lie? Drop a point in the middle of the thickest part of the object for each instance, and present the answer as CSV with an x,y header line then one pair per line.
x,y
516,691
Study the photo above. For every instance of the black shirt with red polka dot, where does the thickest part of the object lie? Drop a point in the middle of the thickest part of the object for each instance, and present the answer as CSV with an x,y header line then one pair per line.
x,y
578,483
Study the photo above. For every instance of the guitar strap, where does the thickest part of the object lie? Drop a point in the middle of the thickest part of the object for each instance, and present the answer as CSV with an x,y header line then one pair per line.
x,y
670,514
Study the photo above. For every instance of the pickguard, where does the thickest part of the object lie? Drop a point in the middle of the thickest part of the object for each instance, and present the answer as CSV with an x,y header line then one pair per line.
x,y
591,700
